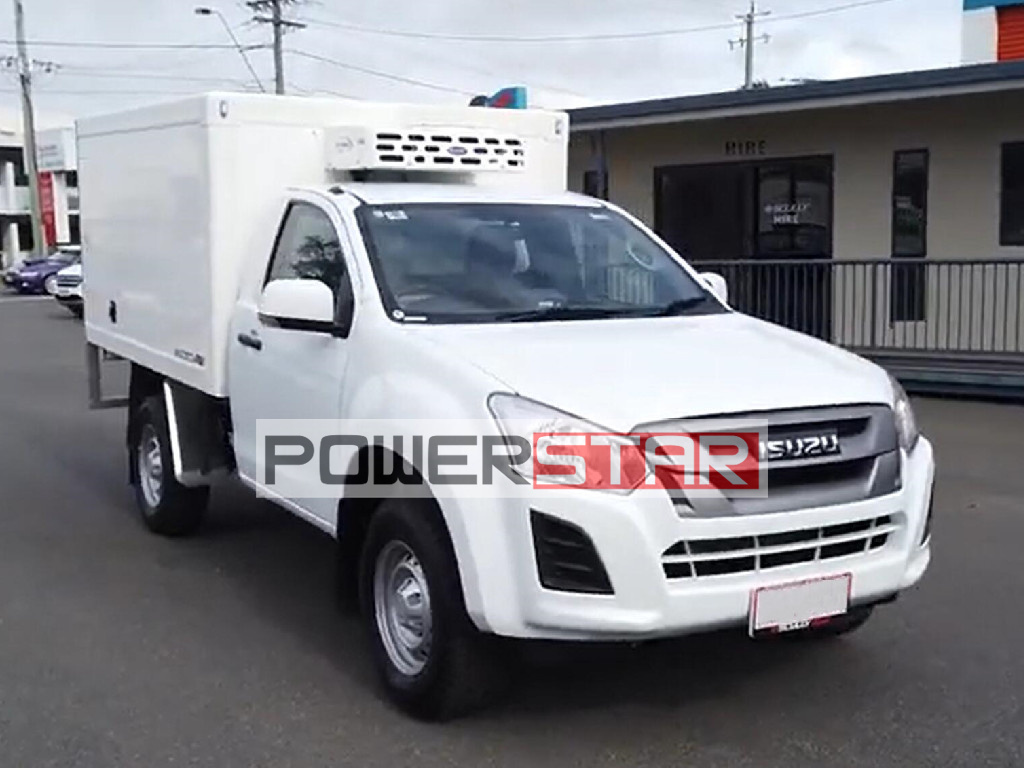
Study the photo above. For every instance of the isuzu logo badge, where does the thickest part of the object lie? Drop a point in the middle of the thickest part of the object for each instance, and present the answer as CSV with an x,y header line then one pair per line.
x,y
808,447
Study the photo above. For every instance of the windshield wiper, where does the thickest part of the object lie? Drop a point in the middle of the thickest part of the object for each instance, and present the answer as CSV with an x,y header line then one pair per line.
x,y
685,306
561,313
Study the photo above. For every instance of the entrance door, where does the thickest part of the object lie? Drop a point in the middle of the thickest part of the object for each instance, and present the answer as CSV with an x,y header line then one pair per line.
x,y
743,219
794,224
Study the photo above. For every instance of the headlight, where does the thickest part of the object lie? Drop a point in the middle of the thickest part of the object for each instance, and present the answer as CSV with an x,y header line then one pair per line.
x,y
906,423
521,419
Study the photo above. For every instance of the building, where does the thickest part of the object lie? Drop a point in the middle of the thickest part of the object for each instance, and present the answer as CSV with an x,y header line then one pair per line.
x,y
883,213
58,188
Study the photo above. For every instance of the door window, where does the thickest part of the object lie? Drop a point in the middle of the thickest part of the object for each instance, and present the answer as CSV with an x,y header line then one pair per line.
x,y
308,248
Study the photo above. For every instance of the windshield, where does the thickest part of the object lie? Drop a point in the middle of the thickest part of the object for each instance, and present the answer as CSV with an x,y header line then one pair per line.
x,y
460,263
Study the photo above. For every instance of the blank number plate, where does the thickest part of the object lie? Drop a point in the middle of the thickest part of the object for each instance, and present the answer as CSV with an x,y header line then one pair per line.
x,y
786,607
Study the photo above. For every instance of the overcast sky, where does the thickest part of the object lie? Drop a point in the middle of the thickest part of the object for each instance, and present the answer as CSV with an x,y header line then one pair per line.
x,y
887,36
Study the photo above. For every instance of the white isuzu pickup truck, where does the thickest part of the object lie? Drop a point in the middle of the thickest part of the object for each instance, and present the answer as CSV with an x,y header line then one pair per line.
x,y
262,260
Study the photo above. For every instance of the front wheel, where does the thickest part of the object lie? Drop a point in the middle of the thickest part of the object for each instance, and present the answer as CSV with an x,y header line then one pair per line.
x,y
168,507
433,662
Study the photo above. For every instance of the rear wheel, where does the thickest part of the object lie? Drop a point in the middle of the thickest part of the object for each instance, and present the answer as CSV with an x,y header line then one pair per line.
x,y
168,507
434,663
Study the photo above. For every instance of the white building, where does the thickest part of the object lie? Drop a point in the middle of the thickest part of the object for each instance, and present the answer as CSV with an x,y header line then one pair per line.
x,y
57,165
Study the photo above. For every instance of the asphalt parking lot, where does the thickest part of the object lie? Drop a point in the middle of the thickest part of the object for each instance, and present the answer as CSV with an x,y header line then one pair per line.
x,y
118,648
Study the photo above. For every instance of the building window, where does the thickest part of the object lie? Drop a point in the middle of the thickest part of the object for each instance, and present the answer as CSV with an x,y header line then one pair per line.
x,y
910,204
1011,220
25,239
909,235
794,203
595,184
14,155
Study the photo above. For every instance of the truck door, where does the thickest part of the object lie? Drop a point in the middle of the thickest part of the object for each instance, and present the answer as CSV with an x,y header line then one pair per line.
x,y
279,371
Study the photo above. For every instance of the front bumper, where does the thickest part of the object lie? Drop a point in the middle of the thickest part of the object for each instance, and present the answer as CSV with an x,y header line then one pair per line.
x,y
69,295
504,595
25,284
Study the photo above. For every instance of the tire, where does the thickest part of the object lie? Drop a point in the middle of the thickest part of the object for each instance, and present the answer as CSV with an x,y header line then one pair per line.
x,y
167,507
837,627
77,310
448,669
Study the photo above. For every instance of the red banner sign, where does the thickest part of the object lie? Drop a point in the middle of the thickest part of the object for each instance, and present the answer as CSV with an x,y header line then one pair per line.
x,y
47,208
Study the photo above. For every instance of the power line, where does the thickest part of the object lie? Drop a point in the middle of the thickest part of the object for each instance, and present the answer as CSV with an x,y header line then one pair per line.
x,y
131,46
378,73
824,11
74,71
446,36
203,11
503,39
97,92
653,33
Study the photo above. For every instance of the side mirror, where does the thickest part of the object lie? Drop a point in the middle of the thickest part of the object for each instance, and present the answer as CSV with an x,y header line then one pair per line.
x,y
717,285
298,305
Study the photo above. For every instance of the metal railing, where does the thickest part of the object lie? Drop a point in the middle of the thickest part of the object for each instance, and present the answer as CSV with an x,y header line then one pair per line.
x,y
941,309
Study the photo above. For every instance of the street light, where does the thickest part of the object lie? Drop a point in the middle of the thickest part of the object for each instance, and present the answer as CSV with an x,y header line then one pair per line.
x,y
203,11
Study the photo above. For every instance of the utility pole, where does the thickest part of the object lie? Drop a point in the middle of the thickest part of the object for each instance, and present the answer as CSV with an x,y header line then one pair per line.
x,y
280,25
748,40
29,129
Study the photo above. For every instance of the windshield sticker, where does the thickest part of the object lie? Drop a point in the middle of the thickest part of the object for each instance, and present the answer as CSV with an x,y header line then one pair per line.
x,y
600,216
398,215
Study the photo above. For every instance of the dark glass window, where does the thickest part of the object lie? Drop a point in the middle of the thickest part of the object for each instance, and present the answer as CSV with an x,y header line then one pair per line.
x,y
308,248
14,155
907,296
595,184
1011,219
910,204
794,209
25,239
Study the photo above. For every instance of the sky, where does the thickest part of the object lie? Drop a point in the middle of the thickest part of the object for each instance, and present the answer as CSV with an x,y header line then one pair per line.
x,y
589,51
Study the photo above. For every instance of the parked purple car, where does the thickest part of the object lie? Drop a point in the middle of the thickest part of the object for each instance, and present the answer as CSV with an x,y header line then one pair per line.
x,y
39,275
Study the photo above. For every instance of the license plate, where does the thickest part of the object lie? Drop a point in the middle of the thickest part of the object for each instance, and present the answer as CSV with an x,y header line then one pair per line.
x,y
786,607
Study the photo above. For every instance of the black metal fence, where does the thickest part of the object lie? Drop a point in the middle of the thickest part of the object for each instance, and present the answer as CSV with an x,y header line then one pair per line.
x,y
942,309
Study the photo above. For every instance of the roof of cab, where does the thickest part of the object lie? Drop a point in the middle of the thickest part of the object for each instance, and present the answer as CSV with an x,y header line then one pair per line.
x,y
386,193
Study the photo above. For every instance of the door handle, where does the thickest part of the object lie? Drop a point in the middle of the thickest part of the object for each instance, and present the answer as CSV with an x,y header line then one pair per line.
x,y
250,340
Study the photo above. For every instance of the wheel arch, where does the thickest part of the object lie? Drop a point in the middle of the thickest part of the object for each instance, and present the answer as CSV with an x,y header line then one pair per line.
x,y
355,513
